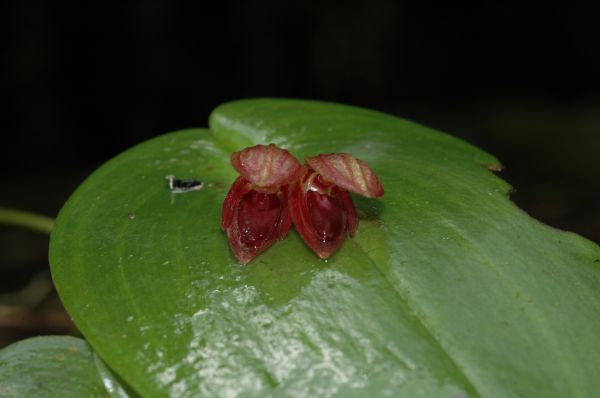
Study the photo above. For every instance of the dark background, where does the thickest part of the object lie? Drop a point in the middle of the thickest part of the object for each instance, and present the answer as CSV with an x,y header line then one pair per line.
x,y
79,84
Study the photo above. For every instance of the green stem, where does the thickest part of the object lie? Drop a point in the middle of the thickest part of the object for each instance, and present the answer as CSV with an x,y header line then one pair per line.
x,y
26,219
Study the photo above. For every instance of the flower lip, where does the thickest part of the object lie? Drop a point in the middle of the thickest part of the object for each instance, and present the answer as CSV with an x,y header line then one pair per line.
x,y
313,181
266,165
347,172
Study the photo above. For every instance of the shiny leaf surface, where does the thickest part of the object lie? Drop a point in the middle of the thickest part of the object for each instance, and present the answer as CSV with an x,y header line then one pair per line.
x,y
446,290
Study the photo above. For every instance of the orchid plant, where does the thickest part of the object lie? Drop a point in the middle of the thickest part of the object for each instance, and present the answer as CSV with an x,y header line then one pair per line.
x,y
274,190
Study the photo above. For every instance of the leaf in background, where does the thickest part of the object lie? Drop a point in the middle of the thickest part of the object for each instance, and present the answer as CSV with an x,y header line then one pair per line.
x,y
447,290
55,366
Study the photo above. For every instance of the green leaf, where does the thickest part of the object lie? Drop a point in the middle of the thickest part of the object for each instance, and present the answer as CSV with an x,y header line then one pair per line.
x,y
447,290
55,366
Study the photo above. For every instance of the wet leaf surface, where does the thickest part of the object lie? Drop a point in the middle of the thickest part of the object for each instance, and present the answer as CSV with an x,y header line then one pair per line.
x,y
447,289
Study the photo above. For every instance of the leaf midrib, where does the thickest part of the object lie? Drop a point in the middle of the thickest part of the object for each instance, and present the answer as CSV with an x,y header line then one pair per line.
x,y
437,343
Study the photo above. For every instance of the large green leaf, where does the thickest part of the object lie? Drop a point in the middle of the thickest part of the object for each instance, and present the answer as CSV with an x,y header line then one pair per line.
x,y
447,289
55,366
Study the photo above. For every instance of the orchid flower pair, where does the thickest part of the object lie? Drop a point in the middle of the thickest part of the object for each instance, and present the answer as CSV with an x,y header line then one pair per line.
x,y
274,190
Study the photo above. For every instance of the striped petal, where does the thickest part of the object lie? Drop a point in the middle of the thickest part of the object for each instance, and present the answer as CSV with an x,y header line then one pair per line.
x,y
266,165
347,172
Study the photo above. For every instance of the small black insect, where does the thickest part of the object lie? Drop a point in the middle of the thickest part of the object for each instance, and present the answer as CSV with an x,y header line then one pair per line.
x,y
182,186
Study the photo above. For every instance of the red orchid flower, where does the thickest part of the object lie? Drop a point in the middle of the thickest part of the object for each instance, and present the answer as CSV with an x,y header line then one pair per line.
x,y
255,211
321,207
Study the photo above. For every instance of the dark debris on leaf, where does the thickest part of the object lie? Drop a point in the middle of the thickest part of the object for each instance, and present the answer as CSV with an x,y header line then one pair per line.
x,y
182,186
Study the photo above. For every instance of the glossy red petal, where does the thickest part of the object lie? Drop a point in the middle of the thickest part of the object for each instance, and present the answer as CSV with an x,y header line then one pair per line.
x,y
285,222
266,165
239,187
320,216
253,219
345,171
351,213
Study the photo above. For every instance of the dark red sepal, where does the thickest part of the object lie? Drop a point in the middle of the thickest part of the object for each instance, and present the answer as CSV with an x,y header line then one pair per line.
x,y
254,218
322,212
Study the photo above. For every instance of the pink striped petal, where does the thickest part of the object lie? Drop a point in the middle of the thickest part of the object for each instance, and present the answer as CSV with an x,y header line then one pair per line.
x,y
266,165
347,172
